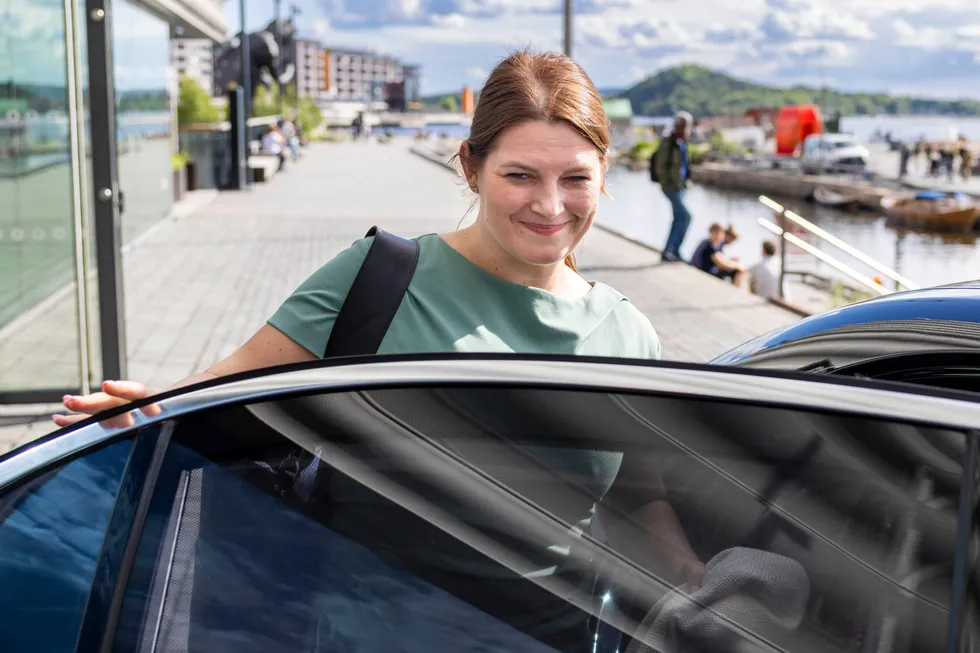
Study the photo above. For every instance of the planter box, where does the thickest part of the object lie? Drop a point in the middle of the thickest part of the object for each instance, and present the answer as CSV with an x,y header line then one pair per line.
x,y
180,184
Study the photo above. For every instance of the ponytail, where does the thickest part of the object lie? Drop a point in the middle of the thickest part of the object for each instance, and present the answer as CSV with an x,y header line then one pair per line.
x,y
570,262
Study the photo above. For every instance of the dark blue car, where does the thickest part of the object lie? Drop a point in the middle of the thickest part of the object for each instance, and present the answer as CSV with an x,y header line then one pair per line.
x,y
929,337
796,500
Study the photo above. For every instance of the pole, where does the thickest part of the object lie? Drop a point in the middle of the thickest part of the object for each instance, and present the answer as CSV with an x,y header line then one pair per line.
x,y
568,28
246,67
782,254
279,43
108,197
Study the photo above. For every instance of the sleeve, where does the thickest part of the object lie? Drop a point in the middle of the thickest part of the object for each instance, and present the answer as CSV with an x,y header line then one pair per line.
x,y
640,331
308,315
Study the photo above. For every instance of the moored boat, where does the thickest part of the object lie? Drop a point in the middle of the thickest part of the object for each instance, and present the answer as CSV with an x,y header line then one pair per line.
x,y
932,210
827,197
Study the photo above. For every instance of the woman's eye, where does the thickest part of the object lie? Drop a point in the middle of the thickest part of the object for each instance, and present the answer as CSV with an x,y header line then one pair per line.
x,y
578,179
520,176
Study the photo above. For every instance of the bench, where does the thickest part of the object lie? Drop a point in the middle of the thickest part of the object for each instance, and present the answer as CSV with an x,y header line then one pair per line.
x,y
265,166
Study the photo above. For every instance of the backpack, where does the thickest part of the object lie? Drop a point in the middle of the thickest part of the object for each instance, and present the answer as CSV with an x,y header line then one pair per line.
x,y
654,176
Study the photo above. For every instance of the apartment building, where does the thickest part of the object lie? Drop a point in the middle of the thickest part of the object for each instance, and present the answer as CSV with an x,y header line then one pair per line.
x,y
194,58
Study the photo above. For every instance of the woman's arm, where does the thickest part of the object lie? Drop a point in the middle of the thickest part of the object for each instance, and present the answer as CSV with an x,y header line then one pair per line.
x,y
266,348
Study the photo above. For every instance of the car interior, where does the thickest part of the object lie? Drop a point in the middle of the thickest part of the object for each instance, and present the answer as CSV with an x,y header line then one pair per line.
x,y
438,514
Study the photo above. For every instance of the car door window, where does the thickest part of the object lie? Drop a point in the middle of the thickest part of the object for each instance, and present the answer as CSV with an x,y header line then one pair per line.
x,y
529,519
51,532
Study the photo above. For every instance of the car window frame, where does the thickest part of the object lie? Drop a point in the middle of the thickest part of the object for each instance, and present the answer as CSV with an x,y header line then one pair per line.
x,y
425,369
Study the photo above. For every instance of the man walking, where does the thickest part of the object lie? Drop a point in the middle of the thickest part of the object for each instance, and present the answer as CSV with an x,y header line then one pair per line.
x,y
669,168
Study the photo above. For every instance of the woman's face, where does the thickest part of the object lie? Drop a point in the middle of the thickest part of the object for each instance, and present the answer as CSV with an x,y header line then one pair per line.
x,y
539,188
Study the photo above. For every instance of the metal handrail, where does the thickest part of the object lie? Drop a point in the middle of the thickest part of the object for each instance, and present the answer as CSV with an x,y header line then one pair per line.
x,y
826,258
786,214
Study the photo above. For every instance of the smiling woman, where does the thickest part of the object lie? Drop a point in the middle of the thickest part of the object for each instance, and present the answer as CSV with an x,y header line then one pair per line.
x,y
536,159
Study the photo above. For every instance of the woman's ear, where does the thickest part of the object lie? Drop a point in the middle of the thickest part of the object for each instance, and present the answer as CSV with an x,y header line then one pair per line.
x,y
469,167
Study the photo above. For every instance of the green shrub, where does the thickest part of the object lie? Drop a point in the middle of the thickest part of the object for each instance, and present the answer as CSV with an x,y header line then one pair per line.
x,y
642,150
179,160
194,105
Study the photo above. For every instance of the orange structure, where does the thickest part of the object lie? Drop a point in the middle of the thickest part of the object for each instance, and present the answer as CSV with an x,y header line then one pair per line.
x,y
793,124
468,100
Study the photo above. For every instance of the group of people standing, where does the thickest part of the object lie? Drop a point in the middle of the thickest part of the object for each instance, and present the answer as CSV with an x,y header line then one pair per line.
x,y
670,168
935,159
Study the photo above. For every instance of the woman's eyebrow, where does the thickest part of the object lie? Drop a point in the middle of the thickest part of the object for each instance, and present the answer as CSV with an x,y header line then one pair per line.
x,y
524,166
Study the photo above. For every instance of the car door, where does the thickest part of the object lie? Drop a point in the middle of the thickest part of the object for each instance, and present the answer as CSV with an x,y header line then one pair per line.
x,y
537,505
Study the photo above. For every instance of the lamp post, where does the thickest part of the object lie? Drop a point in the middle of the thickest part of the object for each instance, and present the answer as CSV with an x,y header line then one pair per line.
x,y
246,63
568,28
277,34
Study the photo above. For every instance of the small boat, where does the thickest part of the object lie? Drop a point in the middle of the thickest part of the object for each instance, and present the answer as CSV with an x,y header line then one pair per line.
x,y
932,210
828,197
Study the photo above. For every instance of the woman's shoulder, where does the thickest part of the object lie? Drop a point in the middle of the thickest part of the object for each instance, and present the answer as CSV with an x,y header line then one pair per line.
x,y
631,324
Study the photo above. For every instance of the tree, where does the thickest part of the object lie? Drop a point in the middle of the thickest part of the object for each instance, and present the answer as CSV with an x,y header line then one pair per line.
x,y
194,105
450,104
309,117
266,102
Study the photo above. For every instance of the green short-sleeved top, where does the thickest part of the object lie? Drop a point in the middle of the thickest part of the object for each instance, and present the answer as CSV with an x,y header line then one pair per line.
x,y
453,305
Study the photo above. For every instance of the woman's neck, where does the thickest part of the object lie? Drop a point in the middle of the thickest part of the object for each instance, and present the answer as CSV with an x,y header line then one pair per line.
x,y
483,251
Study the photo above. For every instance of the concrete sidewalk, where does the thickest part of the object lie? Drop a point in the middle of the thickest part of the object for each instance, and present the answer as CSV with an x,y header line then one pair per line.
x,y
202,284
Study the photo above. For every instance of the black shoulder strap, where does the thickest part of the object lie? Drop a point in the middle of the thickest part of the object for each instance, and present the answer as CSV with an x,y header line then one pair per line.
x,y
374,296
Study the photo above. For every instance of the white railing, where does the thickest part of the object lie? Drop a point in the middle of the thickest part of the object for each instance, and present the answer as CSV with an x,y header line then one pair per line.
x,y
863,279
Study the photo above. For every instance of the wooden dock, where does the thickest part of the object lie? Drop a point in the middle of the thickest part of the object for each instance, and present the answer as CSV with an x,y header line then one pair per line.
x,y
785,183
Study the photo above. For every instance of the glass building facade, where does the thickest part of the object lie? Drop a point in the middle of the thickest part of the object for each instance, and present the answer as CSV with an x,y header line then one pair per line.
x,y
49,305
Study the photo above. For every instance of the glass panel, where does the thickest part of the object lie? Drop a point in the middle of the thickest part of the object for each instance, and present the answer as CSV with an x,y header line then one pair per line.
x,y
519,519
142,69
38,338
51,532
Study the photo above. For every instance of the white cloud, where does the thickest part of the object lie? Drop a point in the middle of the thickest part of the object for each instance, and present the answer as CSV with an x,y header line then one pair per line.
x,y
449,21
903,28
969,31
477,73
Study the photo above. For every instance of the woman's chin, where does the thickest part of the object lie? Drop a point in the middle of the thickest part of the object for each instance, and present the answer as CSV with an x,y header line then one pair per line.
x,y
544,255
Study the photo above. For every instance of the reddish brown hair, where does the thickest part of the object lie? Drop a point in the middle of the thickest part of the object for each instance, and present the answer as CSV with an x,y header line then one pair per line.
x,y
537,86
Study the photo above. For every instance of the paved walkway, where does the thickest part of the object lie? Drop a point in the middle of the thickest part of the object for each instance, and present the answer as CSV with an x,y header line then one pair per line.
x,y
200,285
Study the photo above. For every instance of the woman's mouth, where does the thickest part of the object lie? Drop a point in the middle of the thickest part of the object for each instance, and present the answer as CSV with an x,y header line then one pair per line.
x,y
544,229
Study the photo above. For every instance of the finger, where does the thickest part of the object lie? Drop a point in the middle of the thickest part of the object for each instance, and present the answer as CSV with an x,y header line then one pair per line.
x,y
96,402
68,420
119,421
126,389
151,410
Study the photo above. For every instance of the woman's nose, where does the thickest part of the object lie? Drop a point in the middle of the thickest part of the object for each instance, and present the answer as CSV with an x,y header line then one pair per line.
x,y
548,201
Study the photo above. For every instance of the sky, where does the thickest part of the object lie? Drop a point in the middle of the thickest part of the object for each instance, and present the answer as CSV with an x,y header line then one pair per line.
x,y
921,47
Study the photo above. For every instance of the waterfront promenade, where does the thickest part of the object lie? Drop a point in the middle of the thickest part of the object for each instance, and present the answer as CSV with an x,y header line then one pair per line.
x,y
197,286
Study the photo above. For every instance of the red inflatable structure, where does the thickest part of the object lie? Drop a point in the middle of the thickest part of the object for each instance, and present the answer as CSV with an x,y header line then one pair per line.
x,y
793,124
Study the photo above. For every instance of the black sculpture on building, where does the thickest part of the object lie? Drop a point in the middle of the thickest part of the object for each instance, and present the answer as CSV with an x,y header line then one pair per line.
x,y
267,66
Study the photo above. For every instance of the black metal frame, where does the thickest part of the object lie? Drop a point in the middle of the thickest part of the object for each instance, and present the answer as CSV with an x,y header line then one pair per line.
x,y
45,396
966,518
108,240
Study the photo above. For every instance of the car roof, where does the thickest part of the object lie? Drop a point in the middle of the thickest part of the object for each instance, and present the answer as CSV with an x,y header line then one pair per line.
x,y
943,317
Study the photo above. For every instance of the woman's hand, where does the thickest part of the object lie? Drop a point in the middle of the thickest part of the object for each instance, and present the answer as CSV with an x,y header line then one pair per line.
x,y
693,571
114,394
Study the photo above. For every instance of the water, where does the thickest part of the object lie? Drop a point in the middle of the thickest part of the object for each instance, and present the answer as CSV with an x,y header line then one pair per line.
x,y
640,210
911,128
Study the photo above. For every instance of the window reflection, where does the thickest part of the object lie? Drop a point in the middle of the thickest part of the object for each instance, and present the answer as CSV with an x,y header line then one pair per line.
x,y
549,520
36,218
143,78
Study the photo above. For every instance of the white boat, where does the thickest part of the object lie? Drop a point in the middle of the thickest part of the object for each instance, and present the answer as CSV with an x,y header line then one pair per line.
x,y
828,197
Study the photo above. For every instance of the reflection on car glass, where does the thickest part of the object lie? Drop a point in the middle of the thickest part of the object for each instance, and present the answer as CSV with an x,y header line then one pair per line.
x,y
538,519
